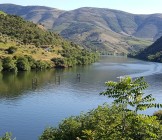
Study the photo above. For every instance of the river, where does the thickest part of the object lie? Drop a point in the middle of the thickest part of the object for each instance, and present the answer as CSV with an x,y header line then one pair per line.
x,y
33,101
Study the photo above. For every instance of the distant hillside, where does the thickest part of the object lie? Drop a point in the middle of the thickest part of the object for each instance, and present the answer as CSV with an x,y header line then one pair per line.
x,y
95,28
37,14
152,53
25,45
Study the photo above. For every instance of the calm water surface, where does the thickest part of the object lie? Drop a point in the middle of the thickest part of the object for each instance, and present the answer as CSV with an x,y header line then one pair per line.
x,y
26,109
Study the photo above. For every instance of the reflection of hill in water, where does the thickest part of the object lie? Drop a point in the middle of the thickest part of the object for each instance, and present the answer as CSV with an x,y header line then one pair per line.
x,y
91,81
12,85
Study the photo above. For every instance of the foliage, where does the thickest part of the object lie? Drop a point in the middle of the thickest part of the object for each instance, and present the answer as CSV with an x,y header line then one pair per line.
x,y
31,61
40,65
27,32
9,64
142,127
129,92
71,57
7,136
11,50
104,123
23,64
155,57
59,62
83,126
2,13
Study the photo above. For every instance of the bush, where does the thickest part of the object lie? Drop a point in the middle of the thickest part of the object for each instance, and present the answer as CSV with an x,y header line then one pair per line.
x,y
59,62
11,50
23,64
40,65
105,123
9,64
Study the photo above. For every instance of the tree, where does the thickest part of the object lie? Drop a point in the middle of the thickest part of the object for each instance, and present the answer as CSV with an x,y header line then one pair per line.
x,y
104,123
129,92
23,64
9,64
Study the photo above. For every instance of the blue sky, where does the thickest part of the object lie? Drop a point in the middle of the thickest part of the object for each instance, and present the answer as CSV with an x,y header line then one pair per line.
x,y
132,6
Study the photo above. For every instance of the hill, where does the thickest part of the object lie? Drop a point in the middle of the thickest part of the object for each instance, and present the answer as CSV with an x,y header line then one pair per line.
x,y
151,53
95,28
37,14
25,45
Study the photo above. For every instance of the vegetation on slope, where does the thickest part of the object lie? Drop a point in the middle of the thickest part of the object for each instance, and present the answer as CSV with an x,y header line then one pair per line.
x,y
151,53
25,45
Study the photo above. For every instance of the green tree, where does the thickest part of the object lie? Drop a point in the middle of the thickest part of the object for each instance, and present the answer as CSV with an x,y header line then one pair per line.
x,y
129,93
23,64
105,123
9,64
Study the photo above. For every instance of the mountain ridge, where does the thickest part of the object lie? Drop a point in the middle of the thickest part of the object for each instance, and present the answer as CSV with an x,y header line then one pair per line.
x,y
100,28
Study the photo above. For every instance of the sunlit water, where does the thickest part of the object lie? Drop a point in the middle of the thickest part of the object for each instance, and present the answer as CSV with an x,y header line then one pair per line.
x,y
27,109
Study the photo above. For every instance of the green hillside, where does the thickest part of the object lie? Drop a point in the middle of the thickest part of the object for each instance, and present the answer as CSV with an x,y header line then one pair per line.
x,y
31,45
151,53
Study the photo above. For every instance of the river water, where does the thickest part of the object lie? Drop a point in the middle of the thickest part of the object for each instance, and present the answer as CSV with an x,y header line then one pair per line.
x,y
33,101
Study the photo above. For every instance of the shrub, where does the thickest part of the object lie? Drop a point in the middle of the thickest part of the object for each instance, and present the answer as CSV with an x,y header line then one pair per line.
x,y
23,64
105,123
40,65
11,50
59,62
9,64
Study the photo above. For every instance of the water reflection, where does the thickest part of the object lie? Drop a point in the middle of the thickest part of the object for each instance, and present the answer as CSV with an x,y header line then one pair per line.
x,y
15,84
